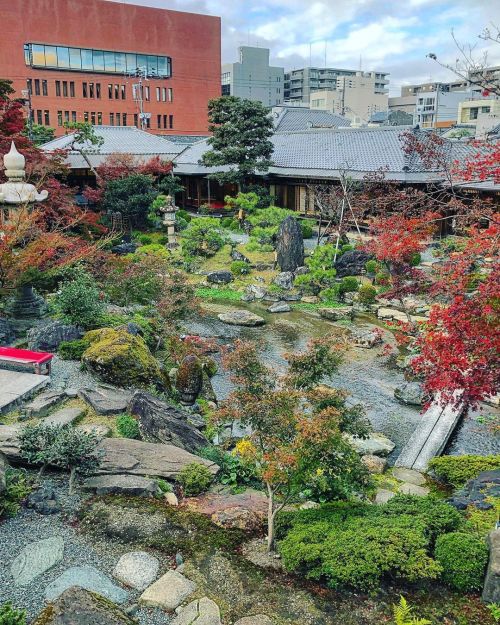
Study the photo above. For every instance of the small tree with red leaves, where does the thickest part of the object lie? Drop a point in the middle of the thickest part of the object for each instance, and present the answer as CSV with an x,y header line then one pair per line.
x,y
297,427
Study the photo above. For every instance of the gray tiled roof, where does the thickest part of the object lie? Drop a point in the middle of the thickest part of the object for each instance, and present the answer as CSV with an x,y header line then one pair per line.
x,y
298,119
117,139
184,139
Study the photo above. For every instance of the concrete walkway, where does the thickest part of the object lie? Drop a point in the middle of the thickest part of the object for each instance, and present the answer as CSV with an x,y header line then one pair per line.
x,y
16,386
431,436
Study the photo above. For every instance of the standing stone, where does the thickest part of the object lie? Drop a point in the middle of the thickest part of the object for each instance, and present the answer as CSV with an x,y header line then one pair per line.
x,y
168,592
89,578
352,263
137,569
189,379
491,591
35,559
290,245
48,337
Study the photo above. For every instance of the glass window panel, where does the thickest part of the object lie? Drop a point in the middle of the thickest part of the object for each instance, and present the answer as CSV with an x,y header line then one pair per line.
x,y
86,59
27,54
142,61
50,56
38,55
62,57
153,65
109,61
98,59
75,60
162,66
120,61
131,62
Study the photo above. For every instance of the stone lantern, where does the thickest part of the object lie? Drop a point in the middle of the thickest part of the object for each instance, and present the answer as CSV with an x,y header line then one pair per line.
x,y
168,210
17,192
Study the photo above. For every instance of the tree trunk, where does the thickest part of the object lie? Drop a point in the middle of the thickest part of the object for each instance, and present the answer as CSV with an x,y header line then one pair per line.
x,y
270,520
72,480
42,470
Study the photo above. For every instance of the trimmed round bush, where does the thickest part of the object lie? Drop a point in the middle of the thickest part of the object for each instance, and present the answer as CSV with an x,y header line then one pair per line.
x,y
240,267
371,267
307,230
194,478
79,301
415,259
382,279
226,222
464,558
349,284
367,294
145,239
72,350
456,470
127,426
346,248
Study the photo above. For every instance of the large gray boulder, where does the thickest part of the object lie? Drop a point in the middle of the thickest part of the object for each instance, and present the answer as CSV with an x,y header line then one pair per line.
x,y
106,400
410,393
162,423
352,263
77,606
35,559
46,338
202,611
284,280
290,245
129,485
491,590
128,456
168,592
220,277
241,318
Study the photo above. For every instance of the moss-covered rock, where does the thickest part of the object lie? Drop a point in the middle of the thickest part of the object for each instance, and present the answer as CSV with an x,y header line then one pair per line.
x,y
120,358
189,379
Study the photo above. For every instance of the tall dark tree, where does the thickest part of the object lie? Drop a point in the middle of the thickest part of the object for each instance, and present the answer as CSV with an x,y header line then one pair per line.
x,y
241,139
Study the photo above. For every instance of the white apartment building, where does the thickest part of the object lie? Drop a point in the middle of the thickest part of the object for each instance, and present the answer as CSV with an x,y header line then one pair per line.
x,y
253,78
355,97
438,109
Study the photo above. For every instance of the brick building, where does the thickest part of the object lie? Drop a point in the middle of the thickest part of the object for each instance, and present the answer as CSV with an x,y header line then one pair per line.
x,y
110,63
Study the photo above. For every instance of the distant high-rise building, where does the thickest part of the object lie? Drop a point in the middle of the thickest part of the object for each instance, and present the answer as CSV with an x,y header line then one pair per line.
x,y
354,97
253,78
299,83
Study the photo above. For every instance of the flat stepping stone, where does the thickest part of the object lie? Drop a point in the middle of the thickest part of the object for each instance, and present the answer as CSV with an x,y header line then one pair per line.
x,y
168,592
412,489
88,578
337,314
202,611
132,485
106,400
35,559
40,406
383,496
98,430
241,318
65,416
137,569
408,475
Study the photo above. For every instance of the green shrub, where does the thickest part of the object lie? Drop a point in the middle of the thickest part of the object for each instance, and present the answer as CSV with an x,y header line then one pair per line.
x,y
17,488
367,294
194,478
11,616
463,558
439,517
183,214
79,301
163,240
346,248
234,472
349,284
127,426
415,259
145,239
329,295
153,249
164,486
226,222
371,267
307,229
240,267
382,279
457,470
360,552
72,350
321,274
203,237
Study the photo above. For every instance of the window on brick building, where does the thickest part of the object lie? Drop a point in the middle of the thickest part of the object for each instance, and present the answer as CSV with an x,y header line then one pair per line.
x,y
124,119
123,92
59,118
58,88
84,89
163,94
136,120
91,90
66,117
117,92
72,89
165,121
99,119
65,88
39,118
98,90
170,94
118,119
86,117
110,92
47,118
111,119
170,121
37,86
73,116
45,90
92,118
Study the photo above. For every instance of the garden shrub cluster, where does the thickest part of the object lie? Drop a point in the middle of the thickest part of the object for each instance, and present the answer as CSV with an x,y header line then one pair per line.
x,y
127,426
203,237
17,488
194,478
72,350
367,294
463,558
234,472
240,268
79,301
11,616
359,545
457,470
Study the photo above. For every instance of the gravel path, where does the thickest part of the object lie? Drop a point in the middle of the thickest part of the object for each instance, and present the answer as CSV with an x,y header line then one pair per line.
x,y
67,374
28,526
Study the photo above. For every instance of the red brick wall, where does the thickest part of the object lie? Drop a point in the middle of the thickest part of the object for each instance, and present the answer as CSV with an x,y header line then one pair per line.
x,y
191,40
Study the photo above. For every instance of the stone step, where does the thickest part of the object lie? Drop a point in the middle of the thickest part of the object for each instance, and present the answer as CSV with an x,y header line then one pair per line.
x,y
65,416
40,406
17,386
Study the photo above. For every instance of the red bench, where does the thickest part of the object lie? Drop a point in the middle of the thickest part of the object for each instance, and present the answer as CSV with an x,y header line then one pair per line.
x,y
25,356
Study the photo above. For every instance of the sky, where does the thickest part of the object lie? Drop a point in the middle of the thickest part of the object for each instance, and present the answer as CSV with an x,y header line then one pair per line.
x,y
391,36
